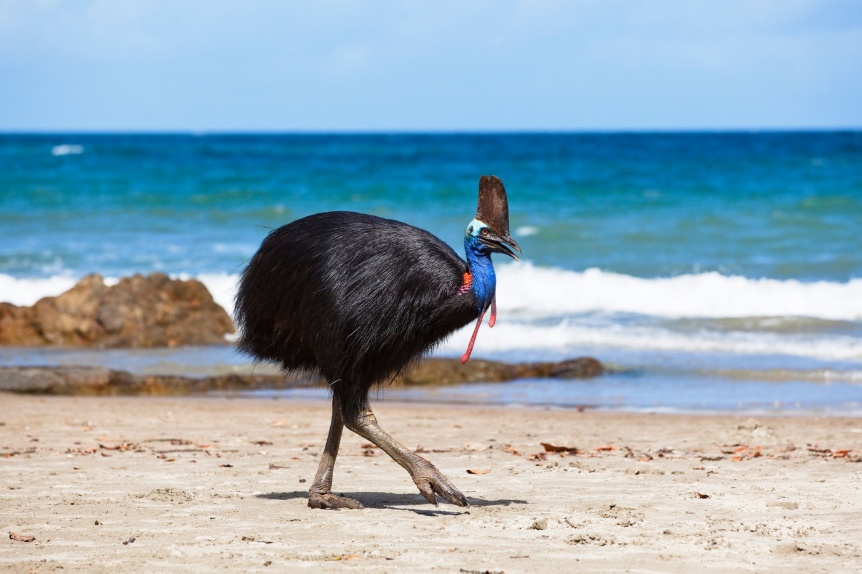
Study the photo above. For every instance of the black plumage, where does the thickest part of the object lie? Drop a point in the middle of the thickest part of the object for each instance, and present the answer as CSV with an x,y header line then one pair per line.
x,y
352,296
357,298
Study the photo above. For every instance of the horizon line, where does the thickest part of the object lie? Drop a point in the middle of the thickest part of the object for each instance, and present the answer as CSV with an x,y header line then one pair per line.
x,y
440,132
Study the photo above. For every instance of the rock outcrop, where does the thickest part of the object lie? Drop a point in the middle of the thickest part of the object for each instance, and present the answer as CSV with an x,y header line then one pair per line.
x,y
139,311
89,381
452,372
79,380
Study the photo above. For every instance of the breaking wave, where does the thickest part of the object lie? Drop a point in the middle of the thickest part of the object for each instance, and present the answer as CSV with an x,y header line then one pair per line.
x,y
560,311
531,292
545,291
67,149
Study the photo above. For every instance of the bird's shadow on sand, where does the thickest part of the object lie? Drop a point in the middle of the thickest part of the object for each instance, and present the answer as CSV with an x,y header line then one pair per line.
x,y
383,500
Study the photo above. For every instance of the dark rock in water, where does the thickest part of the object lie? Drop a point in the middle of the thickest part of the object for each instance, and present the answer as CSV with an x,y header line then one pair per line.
x,y
452,372
72,380
139,311
89,381
51,380
581,368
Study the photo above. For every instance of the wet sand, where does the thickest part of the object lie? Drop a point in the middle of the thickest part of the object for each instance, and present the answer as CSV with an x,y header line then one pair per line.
x,y
204,484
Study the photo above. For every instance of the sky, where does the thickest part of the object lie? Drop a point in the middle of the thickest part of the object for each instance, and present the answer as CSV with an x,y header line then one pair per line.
x,y
482,65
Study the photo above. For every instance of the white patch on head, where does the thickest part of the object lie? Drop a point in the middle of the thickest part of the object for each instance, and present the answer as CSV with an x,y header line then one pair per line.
x,y
474,228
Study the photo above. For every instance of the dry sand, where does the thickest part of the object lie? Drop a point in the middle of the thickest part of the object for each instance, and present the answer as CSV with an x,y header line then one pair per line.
x,y
207,484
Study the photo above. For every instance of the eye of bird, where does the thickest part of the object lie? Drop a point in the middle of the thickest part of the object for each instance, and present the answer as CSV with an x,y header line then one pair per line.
x,y
484,231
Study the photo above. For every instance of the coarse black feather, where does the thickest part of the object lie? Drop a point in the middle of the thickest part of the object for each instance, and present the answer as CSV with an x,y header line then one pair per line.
x,y
354,297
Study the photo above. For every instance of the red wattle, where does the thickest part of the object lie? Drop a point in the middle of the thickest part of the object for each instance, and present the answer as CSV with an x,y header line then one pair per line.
x,y
466,356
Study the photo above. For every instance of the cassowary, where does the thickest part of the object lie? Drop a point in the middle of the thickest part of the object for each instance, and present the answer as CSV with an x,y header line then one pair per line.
x,y
356,299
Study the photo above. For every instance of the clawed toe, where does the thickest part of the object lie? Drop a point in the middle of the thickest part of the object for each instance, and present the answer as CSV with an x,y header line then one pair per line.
x,y
329,501
431,482
451,494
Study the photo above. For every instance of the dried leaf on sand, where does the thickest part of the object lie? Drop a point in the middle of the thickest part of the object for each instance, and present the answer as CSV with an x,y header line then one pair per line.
x,y
21,537
558,448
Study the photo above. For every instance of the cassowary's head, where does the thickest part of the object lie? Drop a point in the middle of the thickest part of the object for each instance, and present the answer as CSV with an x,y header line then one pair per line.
x,y
490,228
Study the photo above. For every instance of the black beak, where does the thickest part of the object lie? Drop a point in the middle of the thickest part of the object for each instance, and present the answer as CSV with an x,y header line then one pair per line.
x,y
501,244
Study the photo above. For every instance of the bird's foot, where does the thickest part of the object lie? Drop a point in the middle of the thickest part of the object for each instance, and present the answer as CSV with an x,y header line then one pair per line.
x,y
329,501
431,481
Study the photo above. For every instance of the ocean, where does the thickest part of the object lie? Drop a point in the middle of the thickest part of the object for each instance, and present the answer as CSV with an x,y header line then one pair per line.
x,y
710,271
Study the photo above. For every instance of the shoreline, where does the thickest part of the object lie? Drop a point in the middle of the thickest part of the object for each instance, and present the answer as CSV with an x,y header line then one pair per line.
x,y
482,383
603,394
203,483
311,397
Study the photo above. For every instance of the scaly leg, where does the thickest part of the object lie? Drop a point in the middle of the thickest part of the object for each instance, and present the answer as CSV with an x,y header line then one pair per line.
x,y
320,494
428,479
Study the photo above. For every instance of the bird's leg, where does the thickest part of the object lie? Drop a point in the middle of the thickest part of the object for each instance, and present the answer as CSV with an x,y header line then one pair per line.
x,y
320,494
428,479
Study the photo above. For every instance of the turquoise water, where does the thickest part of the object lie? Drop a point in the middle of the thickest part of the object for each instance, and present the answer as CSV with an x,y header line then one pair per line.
x,y
675,256
779,205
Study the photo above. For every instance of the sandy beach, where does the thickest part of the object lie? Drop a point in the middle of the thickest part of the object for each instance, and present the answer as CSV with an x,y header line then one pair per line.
x,y
205,484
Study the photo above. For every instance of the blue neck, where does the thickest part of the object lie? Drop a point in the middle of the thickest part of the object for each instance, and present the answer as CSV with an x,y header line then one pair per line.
x,y
484,278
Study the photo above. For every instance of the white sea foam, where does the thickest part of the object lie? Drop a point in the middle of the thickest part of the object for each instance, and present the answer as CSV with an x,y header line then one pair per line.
x,y
544,291
222,286
536,305
28,291
67,149
569,337
530,292
527,292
